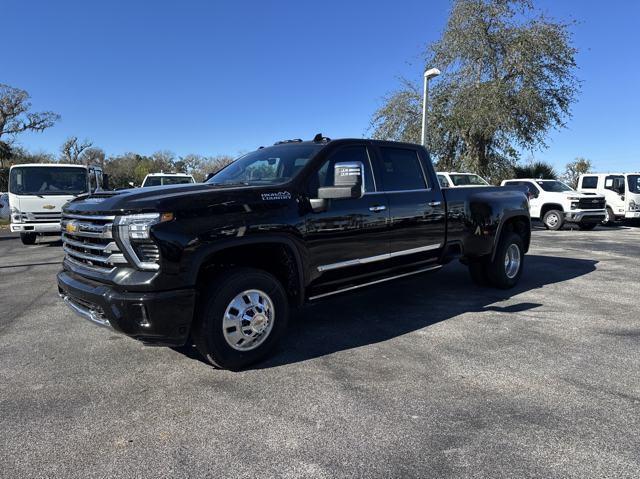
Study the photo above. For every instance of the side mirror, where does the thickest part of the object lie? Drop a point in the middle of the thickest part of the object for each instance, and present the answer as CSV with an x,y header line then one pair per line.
x,y
348,182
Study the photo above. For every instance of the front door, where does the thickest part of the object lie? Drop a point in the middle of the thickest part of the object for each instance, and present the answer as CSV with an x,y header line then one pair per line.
x,y
348,233
417,209
615,189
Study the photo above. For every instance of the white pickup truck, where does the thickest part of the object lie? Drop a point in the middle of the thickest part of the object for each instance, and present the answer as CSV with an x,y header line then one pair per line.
x,y
556,203
162,179
621,190
457,180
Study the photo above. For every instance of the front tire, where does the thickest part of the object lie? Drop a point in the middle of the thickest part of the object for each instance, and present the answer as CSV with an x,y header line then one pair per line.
x,y
28,238
610,218
241,316
553,220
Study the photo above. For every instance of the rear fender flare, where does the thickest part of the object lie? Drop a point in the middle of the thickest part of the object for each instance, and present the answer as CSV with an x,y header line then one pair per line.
x,y
506,217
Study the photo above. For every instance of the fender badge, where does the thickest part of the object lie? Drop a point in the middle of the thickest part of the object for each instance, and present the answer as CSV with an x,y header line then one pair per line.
x,y
48,207
280,195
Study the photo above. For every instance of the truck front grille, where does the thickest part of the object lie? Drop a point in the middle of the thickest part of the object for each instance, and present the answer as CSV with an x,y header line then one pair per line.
x,y
41,217
591,203
88,242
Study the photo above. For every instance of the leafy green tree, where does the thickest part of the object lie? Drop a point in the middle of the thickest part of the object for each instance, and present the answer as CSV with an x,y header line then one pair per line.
x,y
508,78
574,169
536,169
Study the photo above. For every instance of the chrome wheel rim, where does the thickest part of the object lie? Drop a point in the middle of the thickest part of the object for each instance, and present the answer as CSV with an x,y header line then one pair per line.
x,y
512,261
248,320
552,220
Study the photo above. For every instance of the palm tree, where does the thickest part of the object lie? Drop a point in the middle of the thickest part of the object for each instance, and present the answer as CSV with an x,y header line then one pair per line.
x,y
538,169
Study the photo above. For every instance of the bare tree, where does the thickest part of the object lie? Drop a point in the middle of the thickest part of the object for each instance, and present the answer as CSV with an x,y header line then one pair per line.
x,y
93,156
15,117
72,149
574,169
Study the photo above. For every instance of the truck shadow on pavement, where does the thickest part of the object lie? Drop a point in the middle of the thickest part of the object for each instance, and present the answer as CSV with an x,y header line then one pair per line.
x,y
392,309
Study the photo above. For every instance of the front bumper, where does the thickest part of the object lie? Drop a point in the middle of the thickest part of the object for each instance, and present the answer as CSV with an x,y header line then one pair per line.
x,y
159,318
585,216
35,227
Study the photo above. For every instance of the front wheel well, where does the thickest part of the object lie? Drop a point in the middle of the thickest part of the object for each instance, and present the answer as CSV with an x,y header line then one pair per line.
x,y
275,258
548,207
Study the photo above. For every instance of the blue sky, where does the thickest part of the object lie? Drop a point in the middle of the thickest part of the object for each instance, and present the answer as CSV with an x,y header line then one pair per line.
x,y
228,76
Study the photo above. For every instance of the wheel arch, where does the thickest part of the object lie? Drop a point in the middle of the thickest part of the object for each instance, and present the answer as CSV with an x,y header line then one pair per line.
x,y
277,255
548,207
517,221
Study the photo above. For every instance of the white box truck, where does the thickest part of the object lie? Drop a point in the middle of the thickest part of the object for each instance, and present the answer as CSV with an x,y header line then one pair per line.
x,y
621,190
38,191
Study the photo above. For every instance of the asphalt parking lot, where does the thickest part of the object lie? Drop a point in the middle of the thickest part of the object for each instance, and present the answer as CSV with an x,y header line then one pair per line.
x,y
424,377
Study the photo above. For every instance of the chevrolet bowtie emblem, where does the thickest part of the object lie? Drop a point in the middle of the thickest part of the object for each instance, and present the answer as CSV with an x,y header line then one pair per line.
x,y
48,207
71,227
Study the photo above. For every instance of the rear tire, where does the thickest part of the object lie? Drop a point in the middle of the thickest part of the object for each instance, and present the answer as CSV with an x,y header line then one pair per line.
x,y
506,268
28,238
241,316
610,218
553,220
478,272
587,226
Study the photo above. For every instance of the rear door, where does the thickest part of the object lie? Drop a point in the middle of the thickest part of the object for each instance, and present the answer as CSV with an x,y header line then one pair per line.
x,y
416,204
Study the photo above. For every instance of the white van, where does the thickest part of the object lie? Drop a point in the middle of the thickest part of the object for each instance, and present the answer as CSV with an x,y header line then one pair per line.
x,y
453,179
621,190
555,203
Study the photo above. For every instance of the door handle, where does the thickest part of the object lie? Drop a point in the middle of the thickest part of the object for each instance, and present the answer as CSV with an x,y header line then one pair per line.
x,y
377,208
434,203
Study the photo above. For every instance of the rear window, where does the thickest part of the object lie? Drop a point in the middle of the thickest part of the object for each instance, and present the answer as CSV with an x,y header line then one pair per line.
x,y
590,182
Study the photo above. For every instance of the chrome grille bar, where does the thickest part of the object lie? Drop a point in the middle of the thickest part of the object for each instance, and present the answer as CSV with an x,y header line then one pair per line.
x,y
105,248
112,259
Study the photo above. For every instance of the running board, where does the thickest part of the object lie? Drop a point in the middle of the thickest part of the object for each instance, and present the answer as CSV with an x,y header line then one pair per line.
x,y
377,281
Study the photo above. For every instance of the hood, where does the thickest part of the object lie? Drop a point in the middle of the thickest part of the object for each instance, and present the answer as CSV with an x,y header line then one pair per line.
x,y
38,204
167,198
573,194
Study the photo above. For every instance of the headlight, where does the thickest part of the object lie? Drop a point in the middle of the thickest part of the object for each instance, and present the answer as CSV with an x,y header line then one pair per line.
x,y
134,234
574,204
633,206
16,217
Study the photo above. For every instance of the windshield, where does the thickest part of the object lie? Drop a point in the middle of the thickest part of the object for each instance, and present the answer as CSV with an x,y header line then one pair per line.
x,y
462,180
266,166
553,186
634,183
48,180
167,180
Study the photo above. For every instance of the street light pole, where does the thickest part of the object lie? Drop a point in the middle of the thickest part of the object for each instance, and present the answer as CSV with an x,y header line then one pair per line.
x,y
431,73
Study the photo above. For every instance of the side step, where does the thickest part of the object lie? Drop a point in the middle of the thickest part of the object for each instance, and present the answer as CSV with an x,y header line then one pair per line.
x,y
377,281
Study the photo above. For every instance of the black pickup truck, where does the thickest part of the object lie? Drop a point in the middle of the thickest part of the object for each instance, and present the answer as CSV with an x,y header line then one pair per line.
x,y
222,263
